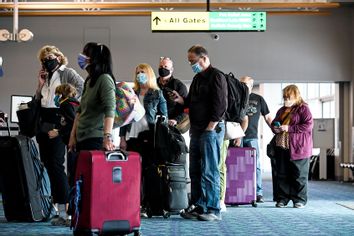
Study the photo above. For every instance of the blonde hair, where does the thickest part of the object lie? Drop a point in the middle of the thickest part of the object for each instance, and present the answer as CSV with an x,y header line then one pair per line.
x,y
48,50
150,74
293,91
66,90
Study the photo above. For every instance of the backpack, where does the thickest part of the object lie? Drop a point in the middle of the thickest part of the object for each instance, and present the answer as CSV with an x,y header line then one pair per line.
x,y
169,144
237,99
127,112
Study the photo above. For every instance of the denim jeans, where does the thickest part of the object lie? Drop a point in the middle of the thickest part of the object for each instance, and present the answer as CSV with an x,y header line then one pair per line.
x,y
253,142
204,169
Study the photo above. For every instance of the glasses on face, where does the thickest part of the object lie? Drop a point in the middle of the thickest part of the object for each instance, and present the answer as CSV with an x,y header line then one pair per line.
x,y
192,62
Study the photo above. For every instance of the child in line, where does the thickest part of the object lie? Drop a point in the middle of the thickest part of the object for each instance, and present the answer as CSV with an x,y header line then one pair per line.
x,y
68,104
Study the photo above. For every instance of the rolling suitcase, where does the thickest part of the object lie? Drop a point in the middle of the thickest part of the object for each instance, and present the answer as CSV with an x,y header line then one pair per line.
x,y
26,193
107,194
165,188
241,176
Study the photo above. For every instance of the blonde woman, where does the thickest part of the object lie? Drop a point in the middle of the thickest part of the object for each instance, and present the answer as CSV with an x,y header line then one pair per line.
x,y
53,73
139,135
292,125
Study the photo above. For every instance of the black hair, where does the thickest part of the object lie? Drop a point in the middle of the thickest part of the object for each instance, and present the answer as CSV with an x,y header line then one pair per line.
x,y
100,61
198,50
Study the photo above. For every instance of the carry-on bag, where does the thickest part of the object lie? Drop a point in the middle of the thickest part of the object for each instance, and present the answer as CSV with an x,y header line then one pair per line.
x,y
26,193
107,193
165,189
241,176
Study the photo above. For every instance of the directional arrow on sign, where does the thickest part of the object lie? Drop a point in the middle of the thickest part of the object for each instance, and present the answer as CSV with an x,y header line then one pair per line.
x,y
156,19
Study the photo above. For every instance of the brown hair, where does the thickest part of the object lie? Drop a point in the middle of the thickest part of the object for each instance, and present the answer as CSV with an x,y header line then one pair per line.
x,y
293,91
66,90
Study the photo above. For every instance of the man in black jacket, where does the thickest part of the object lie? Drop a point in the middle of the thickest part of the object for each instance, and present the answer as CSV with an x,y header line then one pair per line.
x,y
168,83
207,102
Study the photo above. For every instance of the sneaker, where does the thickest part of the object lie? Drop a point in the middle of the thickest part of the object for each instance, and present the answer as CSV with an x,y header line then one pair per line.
x,y
222,207
209,217
299,205
260,199
191,213
58,221
280,205
143,213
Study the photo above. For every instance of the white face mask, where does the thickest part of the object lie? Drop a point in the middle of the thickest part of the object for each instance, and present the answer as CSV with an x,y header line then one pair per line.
x,y
289,103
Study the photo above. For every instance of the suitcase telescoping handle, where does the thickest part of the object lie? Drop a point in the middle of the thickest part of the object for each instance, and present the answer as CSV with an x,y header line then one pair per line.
x,y
116,156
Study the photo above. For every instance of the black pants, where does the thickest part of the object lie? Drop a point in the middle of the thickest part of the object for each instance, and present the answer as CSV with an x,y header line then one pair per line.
x,y
52,152
292,178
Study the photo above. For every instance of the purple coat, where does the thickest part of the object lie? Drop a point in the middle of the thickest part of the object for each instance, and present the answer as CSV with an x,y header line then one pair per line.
x,y
300,131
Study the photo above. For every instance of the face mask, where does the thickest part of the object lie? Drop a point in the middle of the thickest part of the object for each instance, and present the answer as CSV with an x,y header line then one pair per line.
x,y
197,68
163,72
50,64
288,103
141,78
82,61
57,100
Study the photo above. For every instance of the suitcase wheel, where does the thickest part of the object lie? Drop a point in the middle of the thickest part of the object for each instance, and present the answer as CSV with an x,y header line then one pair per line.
x,y
166,214
137,233
254,203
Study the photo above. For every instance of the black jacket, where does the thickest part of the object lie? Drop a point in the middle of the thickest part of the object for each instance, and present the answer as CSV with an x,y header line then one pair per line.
x,y
207,99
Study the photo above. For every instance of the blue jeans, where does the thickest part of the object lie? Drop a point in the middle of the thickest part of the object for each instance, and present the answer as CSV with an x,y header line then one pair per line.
x,y
204,169
253,142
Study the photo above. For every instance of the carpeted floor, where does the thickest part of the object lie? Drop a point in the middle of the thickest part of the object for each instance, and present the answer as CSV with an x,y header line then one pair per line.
x,y
327,213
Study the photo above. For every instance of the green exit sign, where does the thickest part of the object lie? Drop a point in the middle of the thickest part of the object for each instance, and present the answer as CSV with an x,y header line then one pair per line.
x,y
237,21
208,21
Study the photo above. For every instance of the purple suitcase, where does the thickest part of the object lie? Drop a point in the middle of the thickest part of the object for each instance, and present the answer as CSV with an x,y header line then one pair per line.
x,y
241,176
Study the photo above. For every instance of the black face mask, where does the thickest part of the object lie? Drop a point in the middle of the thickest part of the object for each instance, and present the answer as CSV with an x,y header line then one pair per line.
x,y
163,72
50,64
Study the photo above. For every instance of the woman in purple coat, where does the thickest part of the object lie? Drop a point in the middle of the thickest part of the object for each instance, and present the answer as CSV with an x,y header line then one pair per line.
x,y
293,128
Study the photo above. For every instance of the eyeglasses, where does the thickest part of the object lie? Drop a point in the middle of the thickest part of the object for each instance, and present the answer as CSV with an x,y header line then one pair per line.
x,y
194,61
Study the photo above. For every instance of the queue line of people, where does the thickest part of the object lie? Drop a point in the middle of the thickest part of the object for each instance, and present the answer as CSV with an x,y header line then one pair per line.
x,y
168,96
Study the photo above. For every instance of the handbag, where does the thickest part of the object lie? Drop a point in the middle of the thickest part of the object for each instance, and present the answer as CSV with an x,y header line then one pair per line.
x,y
126,111
233,130
28,117
271,148
184,125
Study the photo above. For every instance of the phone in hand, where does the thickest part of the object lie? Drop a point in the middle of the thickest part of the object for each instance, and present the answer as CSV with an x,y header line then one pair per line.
x,y
277,124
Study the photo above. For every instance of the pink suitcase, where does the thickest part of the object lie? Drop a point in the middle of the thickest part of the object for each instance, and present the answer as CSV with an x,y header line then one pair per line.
x,y
241,176
109,193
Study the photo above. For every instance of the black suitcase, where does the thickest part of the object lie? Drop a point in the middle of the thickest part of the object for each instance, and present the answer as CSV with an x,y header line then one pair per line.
x,y
26,191
165,189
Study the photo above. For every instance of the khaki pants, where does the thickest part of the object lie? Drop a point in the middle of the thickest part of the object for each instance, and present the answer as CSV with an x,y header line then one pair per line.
x,y
223,169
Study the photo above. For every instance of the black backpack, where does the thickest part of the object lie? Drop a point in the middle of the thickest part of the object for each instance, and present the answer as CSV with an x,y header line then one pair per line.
x,y
238,95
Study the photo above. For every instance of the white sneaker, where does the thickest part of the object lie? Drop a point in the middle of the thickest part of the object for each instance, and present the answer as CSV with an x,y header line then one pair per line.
x,y
222,207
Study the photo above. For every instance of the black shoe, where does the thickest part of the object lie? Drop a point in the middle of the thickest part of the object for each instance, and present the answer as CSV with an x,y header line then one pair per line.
x,y
299,205
191,213
260,199
280,204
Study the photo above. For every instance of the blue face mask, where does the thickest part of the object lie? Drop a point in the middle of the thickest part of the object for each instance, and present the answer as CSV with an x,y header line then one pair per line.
x,y
82,61
141,78
57,100
197,68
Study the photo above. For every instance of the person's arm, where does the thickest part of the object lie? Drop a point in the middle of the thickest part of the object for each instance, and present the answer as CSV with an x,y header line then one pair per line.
x,y
268,119
72,140
107,133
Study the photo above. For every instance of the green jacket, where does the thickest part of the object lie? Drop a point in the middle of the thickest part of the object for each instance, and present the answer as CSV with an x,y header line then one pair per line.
x,y
97,103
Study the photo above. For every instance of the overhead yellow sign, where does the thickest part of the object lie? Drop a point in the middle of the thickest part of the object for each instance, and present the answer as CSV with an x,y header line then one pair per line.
x,y
165,21
208,21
